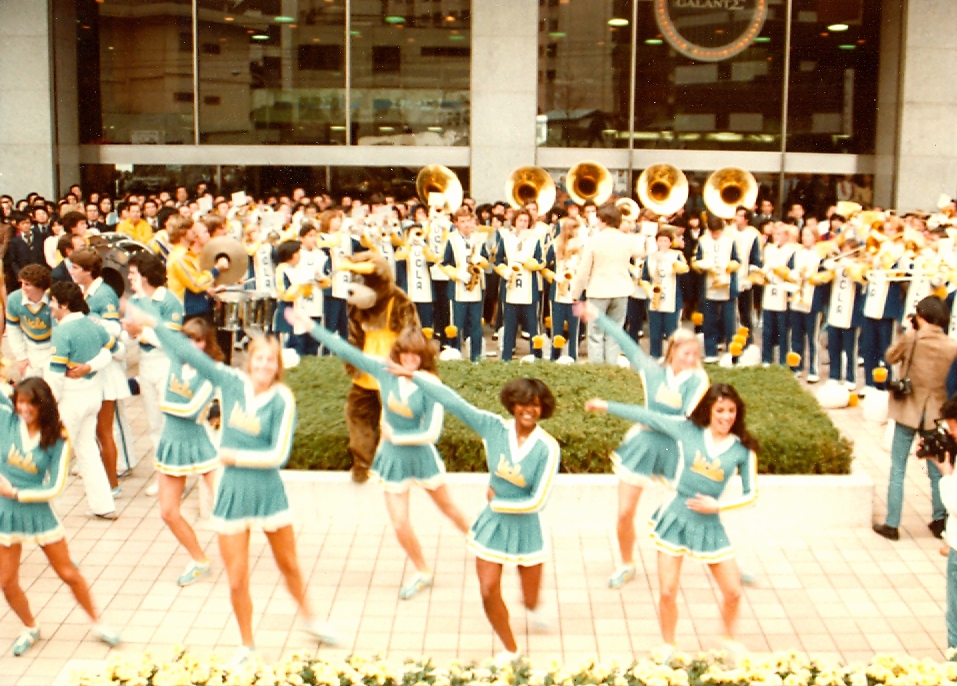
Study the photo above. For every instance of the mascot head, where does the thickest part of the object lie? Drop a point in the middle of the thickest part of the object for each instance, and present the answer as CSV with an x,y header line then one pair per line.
x,y
372,280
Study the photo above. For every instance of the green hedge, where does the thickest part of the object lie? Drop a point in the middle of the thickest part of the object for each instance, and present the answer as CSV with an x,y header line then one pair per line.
x,y
796,435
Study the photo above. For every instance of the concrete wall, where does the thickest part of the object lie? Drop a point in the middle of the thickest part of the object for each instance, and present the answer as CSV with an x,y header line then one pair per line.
x,y
26,109
927,161
504,92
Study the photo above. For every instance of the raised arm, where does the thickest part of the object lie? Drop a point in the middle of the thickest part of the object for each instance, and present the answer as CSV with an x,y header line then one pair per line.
x,y
178,344
430,432
478,420
639,359
676,427
348,352
748,469
539,495
280,442
56,477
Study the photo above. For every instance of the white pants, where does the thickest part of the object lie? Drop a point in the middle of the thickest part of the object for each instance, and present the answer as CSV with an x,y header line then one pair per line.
x,y
39,358
601,347
154,370
78,410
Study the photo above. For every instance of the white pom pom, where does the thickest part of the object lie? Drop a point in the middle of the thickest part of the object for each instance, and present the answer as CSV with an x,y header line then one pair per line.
x,y
833,396
565,359
875,406
290,358
623,362
751,357
725,361
450,355
529,358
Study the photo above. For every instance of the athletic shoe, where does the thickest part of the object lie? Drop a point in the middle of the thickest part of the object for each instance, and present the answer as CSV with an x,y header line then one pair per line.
x,y
539,621
735,650
107,635
116,492
419,582
664,654
26,640
242,655
937,527
505,658
194,572
749,578
622,576
323,632
711,359
111,516
813,378
153,488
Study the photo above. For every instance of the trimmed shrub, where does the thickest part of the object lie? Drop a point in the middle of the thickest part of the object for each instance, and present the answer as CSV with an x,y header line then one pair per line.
x,y
796,435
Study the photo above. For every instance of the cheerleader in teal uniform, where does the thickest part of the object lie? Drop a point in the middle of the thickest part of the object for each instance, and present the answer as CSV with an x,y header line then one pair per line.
x,y
713,444
673,388
34,459
523,460
259,420
411,424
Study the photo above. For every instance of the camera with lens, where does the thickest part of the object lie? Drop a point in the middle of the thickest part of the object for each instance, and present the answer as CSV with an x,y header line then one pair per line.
x,y
938,444
900,388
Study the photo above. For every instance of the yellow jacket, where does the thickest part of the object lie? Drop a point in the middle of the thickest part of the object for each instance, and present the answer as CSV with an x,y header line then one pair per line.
x,y
141,231
183,273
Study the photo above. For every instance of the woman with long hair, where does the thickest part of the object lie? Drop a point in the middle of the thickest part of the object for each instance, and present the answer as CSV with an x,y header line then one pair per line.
x,y
673,388
259,417
34,458
523,460
411,424
713,444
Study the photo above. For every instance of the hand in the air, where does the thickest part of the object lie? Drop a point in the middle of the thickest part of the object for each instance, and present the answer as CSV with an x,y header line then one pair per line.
x,y
596,405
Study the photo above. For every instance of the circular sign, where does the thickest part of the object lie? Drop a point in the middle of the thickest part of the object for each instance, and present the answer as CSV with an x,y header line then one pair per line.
x,y
710,30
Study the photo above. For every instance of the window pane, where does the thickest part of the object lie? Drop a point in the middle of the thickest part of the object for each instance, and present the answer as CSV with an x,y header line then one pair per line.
x,y
269,77
410,72
734,104
835,50
584,73
135,71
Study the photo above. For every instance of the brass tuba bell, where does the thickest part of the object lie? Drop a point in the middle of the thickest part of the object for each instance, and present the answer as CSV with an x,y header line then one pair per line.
x,y
629,209
589,181
663,189
728,188
438,179
530,184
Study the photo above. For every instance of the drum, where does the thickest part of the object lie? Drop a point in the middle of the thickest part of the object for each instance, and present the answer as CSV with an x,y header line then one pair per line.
x,y
226,310
258,311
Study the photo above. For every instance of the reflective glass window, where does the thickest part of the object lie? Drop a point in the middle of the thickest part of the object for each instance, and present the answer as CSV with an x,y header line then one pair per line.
x,y
410,72
135,71
272,72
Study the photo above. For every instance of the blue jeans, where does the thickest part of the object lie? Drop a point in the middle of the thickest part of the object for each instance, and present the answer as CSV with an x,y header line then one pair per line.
x,y
842,342
718,324
951,616
774,332
805,329
900,447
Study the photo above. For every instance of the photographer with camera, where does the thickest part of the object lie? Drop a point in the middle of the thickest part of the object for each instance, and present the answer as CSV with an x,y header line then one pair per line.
x,y
942,446
926,355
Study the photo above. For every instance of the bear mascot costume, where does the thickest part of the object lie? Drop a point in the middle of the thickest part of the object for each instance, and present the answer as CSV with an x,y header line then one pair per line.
x,y
378,312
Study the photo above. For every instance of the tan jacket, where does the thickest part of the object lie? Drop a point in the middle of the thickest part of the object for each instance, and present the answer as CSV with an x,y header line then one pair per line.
x,y
603,270
934,353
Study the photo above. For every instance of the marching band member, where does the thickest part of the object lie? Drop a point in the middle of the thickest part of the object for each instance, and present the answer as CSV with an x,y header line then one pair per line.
x,y
313,267
807,303
437,235
523,460
492,309
34,459
883,308
561,263
465,262
339,244
673,388
637,311
713,444
80,348
29,322
259,417
660,282
411,424
86,267
747,240
844,315
290,289
413,272
779,283
717,260
520,258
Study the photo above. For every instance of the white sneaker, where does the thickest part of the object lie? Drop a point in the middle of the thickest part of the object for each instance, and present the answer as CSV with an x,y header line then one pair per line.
x,y
153,488
323,632
711,359
505,658
813,378
538,620
734,649
242,655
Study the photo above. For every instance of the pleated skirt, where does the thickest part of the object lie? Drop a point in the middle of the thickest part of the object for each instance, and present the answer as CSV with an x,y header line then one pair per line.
x,y
28,523
184,448
250,498
644,456
678,532
400,466
502,537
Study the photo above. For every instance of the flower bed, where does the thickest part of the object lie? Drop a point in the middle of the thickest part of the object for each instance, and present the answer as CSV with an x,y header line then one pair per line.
x,y
703,669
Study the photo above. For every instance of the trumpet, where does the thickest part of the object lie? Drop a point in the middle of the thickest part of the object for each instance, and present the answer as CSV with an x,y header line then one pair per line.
x,y
565,283
516,269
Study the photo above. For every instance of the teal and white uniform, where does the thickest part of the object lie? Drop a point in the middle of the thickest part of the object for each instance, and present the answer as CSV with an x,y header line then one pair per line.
x,y
184,445
105,310
706,468
509,529
644,455
38,474
257,429
414,418
29,327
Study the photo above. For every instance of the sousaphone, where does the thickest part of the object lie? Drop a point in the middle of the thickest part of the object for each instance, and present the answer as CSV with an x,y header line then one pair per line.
x,y
728,188
438,179
589,181
663,189
530,184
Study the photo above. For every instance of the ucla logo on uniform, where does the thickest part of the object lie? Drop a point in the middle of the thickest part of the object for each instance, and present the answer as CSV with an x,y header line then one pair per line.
x,y
238,419
399,407
35,323
25,462
709,469
668,396
512,474
180,387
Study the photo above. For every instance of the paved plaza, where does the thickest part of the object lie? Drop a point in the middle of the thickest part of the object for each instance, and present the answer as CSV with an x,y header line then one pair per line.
x,y
839,593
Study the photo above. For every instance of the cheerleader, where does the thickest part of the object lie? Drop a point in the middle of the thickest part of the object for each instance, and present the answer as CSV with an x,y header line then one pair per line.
x,y
774,300
509,529
519,259
807,304
411,424
717,260
34,459
673,388
561,263
713,444
29,321
259,417
659,278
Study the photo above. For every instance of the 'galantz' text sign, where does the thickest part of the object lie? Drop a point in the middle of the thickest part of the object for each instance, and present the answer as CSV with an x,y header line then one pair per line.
x,y
710,30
